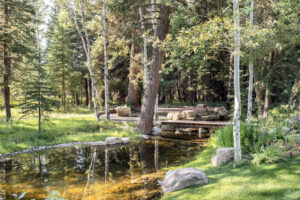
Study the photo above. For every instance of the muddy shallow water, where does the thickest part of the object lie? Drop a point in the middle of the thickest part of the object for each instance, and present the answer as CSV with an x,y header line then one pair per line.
x,y
88,172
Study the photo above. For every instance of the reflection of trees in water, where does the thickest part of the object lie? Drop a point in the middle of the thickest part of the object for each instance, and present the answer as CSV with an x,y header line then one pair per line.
x,y
80,157
5,171
67,167
146,151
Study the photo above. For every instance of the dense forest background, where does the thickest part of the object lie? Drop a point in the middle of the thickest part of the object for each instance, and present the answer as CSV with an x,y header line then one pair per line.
x,y
48,68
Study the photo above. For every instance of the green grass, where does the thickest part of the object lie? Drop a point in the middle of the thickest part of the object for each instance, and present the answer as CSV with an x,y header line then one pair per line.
x,y
61,128
250,182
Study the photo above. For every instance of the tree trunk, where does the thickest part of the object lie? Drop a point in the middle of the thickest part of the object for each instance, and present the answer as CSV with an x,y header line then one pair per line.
x,y
86,85
229,84
150,94
87,48
237,96
258,93
106,90
154,40
145,56
133,96
294,91
267,101
63,91
37,31
76,96
250,90
178,92
90,93
7,66
268,90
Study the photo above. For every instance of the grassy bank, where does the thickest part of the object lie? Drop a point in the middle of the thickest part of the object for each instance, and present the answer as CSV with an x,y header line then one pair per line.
x,y
258,182
61,128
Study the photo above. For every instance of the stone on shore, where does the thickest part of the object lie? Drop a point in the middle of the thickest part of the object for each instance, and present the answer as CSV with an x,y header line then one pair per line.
x,y
183,178
125,140
113,140
98,143
224,155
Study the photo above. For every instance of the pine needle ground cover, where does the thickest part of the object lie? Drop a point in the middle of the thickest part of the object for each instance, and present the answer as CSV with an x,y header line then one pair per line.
x,y
60,128
276,181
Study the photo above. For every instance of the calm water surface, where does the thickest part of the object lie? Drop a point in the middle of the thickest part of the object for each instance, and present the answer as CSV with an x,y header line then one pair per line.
x,y
90,173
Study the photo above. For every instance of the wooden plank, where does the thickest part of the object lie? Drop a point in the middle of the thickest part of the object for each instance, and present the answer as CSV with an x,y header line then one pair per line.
x,y
190,123
218,123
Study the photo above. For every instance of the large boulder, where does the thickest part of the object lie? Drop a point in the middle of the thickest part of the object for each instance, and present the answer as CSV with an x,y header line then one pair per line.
x,y
224,113
170,115
183,178
200,106
224,155
189,114
124,112
125,140
98,143
177,116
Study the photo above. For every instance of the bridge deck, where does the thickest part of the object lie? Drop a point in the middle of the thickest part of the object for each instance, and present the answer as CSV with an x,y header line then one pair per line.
x,y
196,124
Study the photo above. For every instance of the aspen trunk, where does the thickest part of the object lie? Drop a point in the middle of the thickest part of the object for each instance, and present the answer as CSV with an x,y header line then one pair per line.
x,y
294,91
87,45
90,93
250,89
154,40
258,93
237,97
150,94
7,66
106,90
86,85
268,90
145,56
37,32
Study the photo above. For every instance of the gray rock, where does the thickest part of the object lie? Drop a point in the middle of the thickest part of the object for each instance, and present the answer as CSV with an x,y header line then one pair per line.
x,y
156,130
200,106
125,140
183,178
98,143
113,140
224,155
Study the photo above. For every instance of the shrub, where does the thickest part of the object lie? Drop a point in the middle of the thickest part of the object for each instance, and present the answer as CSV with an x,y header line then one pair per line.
x,y
269,154
264,140
249,138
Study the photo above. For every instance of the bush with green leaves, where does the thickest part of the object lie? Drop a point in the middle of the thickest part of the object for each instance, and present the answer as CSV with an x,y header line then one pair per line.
x,y
251,138
269,154
266,140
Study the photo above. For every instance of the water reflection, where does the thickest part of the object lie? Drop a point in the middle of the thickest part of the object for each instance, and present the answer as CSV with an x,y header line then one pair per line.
x,y
85,172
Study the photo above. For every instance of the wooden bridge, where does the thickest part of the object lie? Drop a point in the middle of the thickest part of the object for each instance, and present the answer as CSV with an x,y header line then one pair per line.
x,y
194,124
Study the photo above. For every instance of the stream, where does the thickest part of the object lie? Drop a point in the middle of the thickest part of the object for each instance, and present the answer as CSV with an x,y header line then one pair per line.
x,y
88,172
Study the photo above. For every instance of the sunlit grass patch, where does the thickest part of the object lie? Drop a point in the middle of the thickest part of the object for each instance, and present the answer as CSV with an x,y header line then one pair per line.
x,y
60,128
247,182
